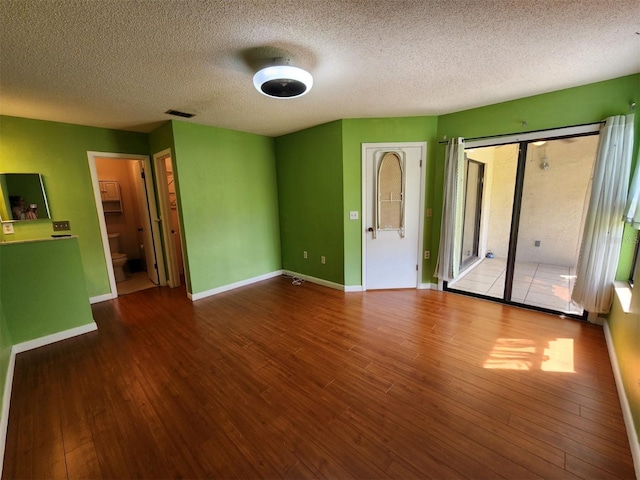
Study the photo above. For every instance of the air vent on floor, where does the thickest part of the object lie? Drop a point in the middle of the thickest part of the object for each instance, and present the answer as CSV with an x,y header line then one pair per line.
x,y
178,113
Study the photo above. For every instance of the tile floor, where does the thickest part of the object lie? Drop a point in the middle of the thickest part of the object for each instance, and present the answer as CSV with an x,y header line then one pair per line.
x,y
536,284
134,282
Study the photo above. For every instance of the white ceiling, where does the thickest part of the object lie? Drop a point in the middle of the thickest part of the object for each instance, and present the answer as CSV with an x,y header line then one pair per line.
x,y
122,63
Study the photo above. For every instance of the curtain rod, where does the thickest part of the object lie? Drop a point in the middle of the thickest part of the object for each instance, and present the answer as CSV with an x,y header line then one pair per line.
x,y
524,124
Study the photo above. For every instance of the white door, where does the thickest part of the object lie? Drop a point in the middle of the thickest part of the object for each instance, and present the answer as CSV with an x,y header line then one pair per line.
x,y
145,217
393,190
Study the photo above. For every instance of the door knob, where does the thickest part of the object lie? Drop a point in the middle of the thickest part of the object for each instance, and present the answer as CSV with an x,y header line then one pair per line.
x,y
370,229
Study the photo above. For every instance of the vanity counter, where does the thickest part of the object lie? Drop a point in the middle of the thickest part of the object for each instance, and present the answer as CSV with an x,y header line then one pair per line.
x,y
61,237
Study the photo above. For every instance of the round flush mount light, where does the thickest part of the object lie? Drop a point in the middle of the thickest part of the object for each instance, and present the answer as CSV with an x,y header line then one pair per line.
x,y
283,81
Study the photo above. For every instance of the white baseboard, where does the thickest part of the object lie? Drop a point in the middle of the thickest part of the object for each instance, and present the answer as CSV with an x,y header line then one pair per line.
x,y
634,443
102,298
53,338
8,385
353,288
428,286
318,281
232,286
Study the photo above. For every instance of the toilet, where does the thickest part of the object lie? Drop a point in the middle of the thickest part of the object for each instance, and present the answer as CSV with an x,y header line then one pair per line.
x,y
117,258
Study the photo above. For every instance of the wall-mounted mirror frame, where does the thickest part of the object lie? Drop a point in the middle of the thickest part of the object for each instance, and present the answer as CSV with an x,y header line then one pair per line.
x,y
23,198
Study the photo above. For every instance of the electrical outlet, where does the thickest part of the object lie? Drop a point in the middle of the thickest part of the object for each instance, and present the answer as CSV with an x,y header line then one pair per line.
x,y
304,254
353,215
60,225
429,212
323,260
537,243
427,254
7,228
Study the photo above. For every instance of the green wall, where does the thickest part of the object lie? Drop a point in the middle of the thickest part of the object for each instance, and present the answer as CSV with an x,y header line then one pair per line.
x,y
43,288
58,151
5,342
625,333
379,130
310,195
228,204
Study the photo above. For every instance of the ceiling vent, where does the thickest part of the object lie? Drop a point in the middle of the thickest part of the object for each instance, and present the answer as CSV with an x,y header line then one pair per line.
x,y
178,113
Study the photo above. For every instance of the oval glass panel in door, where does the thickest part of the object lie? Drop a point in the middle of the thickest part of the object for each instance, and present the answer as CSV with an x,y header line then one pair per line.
x,y
391,193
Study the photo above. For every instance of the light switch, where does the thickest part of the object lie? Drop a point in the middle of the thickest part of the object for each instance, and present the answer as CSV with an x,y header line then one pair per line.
x,y
353,215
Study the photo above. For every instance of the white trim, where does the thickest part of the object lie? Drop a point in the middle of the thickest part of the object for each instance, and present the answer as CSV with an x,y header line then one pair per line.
x,y
6,401
91,158
521,137
232,286
623,292
428,286
317,281
363,188
634,443
102,298
353,288
54,337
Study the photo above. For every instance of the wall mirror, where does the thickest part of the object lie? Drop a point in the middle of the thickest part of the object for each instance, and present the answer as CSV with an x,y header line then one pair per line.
x,y
22,197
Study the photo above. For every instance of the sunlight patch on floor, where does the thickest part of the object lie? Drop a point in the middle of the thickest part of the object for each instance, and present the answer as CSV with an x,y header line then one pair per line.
x,y
523,354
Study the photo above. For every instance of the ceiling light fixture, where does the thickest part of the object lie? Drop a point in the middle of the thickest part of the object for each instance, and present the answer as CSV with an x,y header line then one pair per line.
x,y
282,80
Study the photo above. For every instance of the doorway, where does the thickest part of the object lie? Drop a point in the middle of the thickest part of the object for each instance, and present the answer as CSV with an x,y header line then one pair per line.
x,y
392,214
169,217
531,221
125,204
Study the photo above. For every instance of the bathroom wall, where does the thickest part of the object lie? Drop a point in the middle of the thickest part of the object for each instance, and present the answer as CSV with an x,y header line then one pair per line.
x,y
127,222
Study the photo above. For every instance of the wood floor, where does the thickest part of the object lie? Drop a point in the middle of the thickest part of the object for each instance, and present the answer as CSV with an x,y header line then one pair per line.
x,y
281,381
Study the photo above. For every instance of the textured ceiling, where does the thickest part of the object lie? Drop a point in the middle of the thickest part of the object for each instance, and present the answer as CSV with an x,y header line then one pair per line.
x,y
123,63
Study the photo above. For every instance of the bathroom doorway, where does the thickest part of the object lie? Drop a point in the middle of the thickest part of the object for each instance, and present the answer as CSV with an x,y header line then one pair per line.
x,y
169,217
125,203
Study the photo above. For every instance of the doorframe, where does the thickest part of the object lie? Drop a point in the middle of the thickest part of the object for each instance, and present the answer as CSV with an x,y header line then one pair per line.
x,y
91,158
365,207
173,270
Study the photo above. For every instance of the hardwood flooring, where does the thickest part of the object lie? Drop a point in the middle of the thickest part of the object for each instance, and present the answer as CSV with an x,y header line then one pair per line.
x,y
281,381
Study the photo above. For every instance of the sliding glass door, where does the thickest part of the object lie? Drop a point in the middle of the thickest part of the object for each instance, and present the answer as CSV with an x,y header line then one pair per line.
x,y
523,222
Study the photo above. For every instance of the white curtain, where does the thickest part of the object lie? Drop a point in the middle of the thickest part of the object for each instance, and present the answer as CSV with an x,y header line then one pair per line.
x,y
448,265
632,212
602,238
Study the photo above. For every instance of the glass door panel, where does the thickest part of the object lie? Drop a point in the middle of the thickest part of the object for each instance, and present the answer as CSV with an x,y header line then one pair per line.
x,y
555,198
472,212
494,203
